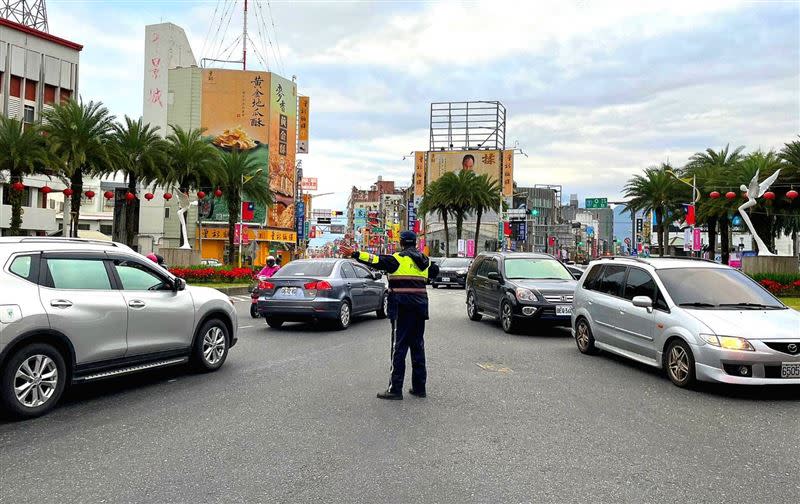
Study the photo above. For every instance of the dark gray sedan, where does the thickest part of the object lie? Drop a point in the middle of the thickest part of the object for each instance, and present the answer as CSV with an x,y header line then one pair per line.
x,y
310,290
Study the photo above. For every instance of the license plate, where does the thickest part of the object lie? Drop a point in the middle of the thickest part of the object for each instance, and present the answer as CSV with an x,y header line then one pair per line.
x,y
790,370
563,310
445,279
289,291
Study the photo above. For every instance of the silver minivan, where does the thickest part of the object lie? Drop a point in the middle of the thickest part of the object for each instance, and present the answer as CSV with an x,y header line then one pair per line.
x,y
696,319
77,311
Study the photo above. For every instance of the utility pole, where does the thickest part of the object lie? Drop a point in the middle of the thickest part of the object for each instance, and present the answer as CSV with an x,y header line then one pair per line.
x,y
31,13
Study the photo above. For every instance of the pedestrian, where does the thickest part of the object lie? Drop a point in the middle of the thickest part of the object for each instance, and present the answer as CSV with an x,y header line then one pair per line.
x,y
270,269
408,272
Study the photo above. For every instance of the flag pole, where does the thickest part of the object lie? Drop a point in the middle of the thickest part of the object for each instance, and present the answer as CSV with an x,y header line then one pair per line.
x,y
241,218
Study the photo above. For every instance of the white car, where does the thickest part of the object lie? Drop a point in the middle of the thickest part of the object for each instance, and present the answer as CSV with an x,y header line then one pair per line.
x,y
696,319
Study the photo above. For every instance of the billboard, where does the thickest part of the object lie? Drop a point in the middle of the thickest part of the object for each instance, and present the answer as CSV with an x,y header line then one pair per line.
x,y
309,183
419,173
302,125
283,147
493,163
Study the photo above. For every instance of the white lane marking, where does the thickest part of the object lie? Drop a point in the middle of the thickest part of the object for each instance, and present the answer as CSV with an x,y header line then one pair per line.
x,y
245,326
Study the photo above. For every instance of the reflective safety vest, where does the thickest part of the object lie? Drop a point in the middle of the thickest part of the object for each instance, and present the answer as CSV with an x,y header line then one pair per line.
x,y
408,279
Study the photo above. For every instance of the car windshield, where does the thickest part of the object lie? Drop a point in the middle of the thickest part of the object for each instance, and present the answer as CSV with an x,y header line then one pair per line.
x,y
705,288
305,269
536,269
455,263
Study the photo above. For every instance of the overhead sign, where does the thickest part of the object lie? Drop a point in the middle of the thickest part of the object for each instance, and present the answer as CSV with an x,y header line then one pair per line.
x,y
412,215
516,214
309,183
323,220
595,203
419,173
302,126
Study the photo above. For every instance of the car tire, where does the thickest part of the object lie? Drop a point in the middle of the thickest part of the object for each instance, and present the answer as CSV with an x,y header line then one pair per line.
x,y
274,323
507,318
679,364
472,308
211,346
584,337
48,380
383,310
254,310
345,316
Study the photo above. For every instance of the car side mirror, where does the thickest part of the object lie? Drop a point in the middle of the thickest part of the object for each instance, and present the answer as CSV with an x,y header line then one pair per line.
x,y
377,276
493,275
643,302
178,284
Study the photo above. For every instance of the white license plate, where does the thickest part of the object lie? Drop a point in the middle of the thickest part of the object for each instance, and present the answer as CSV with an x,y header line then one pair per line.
x,y
445,279
790,370
289,291
563,310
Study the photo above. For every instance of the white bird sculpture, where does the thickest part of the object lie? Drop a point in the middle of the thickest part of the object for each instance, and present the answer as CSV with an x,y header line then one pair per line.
x,y
183,207
754,192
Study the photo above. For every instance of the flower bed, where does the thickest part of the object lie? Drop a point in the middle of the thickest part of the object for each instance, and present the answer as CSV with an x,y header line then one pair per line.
x,y
780,285
204,274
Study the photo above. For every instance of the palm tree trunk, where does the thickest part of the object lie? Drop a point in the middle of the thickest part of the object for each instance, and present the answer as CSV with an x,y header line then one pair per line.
x,y
660,230
15,198
130,213
76,184
478,227
446,236
459,225
725,242
711,222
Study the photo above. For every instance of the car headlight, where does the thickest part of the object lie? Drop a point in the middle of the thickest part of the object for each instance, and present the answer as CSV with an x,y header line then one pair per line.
x,y
728,342
525,294
461,272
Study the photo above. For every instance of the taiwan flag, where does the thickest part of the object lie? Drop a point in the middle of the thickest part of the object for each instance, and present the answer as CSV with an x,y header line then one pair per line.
x,y
248,210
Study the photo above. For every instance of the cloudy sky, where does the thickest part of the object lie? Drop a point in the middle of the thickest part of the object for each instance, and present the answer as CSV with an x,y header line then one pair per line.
x,y
595,90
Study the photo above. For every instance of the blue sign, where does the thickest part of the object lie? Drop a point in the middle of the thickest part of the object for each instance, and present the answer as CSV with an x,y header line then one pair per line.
x,y
736,221
522,232
412,215
589,230
299,220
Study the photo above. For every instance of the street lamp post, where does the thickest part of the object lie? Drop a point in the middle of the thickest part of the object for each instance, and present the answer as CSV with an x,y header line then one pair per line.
x,y
241,213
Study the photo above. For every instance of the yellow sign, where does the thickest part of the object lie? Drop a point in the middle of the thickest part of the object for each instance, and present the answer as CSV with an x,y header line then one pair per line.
x,y
302,125
235,108
508,173
273,235
482,162
282,150
419,173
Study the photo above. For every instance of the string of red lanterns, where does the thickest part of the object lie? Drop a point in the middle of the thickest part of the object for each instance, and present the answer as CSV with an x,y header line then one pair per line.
x,y
792,194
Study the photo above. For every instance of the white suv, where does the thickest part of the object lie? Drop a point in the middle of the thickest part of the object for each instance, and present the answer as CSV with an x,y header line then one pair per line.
x,y
696,319
77,311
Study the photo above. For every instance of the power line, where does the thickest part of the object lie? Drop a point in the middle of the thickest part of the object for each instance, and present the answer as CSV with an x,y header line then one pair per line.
x,y
275,32
217,41
258,53
225,32
210,25
262,19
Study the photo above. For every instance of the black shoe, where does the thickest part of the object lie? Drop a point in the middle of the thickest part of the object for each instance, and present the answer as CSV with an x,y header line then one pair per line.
x,y
418,394
391,396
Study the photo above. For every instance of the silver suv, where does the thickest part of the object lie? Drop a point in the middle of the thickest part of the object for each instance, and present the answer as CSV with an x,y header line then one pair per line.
x,y
696,319
77,311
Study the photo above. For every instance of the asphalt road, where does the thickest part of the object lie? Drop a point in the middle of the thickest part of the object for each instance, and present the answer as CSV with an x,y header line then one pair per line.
x,y
292,417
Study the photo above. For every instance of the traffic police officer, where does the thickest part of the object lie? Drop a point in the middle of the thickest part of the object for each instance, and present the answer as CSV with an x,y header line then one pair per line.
x,y
408,310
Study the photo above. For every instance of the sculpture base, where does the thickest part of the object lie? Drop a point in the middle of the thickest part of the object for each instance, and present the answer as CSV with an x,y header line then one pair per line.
x,y
770,264
179,256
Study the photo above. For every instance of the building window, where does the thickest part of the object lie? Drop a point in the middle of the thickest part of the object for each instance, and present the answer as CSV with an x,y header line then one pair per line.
x,y
65,95
1,82
166,213
30,90
84,227
49,94
106,229
29,114
16,86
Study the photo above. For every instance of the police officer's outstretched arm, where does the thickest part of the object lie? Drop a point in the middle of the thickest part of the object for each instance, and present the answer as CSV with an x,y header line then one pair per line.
x,y
385,263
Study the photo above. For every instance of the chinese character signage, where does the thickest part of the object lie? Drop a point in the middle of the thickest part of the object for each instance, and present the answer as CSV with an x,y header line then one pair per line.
x,y
419,173
508,173
480,161
283,147
593,203
302,125
309,183
412,215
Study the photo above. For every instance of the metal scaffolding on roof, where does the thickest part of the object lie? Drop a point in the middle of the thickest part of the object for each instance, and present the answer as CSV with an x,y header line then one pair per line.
x,y
31,13
470,125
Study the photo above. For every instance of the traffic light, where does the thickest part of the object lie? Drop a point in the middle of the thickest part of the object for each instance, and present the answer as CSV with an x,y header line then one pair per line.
x,y
535,212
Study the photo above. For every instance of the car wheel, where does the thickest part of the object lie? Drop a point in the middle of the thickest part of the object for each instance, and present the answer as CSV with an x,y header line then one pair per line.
x,y
384,309
274,323
584,337
211,346
507,318
679,363
253,310
472,308
345,314
33,381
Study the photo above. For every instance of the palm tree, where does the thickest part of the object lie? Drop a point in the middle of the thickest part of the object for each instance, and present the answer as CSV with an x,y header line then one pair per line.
x,y
239,175
140,154
484,196
656,190
456,190
435,202
78,136
23,151
790,155
710,169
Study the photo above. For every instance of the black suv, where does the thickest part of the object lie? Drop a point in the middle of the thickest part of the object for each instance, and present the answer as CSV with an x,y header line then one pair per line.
x,y
519,287
452,272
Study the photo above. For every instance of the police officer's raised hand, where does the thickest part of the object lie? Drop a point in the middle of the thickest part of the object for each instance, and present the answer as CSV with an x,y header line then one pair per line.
x,y
345,250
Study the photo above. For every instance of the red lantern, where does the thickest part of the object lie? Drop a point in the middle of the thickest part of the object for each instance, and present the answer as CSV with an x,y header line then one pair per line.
x,y
769,195
792,194
149,196
167,196
201,195
218,193
89,194
18,186
130,196
108,195
46,190
68,192
730,195
714,194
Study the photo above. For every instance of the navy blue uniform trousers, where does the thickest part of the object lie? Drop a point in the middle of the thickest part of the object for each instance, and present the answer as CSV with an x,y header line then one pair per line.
x,y
408,334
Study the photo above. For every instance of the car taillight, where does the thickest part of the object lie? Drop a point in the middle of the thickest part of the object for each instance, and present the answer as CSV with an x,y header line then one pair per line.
x,y
266,285
318,285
